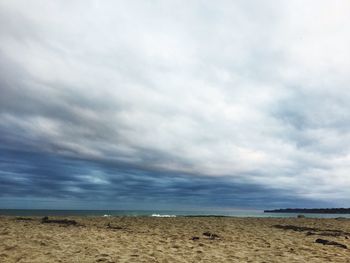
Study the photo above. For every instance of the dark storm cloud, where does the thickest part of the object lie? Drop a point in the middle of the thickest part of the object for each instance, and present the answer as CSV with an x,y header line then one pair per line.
x,y
29,176
224,104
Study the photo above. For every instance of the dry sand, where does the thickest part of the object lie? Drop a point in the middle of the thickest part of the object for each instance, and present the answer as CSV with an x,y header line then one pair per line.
x,y
145,239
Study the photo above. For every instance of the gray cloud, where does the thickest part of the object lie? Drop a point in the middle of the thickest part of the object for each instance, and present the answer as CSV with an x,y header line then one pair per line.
x,y
245,92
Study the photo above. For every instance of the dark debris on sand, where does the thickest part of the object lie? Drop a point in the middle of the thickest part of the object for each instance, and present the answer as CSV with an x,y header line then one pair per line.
x,y
109,226
295,228
330,243
320,232
210,235
23,219
67,222
314,231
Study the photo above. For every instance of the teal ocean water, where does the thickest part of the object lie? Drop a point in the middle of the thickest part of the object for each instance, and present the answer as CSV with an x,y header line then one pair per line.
x,y
159,213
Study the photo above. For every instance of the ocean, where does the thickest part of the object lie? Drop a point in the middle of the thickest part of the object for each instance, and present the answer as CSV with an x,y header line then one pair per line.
x,y
160,213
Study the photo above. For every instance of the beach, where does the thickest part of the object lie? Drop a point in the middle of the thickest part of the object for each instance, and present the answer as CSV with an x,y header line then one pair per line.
x,y
178,239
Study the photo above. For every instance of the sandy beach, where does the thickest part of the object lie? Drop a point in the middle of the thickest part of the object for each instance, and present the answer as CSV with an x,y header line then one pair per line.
x,y
190,239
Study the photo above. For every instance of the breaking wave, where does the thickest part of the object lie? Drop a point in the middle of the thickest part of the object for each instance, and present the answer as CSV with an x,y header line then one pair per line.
x,y
159,215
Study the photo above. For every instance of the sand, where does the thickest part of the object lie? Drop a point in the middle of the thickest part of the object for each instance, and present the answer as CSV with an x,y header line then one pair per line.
x,y
146,239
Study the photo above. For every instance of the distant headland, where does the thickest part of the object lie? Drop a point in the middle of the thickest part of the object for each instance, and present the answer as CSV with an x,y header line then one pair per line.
x,y
311,210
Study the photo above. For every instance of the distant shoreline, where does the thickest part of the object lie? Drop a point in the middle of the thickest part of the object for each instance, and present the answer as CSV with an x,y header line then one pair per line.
x,y
311,210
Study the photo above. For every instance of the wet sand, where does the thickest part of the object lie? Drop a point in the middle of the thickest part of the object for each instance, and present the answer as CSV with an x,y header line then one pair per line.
x,y
146,239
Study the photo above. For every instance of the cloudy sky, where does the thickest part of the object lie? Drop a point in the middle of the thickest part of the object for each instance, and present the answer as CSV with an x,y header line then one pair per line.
x,y
174,104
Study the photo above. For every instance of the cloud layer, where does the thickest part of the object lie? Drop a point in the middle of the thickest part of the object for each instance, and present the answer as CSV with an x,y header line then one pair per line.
x,y
225,104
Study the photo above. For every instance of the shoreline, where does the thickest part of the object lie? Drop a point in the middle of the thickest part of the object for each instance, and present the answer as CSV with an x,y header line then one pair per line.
x,y
166,213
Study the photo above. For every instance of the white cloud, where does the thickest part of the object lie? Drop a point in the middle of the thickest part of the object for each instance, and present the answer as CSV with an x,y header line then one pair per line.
x,y
254,91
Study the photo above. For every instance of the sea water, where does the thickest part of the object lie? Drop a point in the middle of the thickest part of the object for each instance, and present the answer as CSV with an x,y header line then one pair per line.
x,y
161,213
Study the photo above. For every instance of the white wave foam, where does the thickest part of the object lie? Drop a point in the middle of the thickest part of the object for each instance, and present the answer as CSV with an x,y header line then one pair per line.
x,y
158,215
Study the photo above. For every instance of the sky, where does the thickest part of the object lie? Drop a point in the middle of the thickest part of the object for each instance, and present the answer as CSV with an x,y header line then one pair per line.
x,y
174,104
